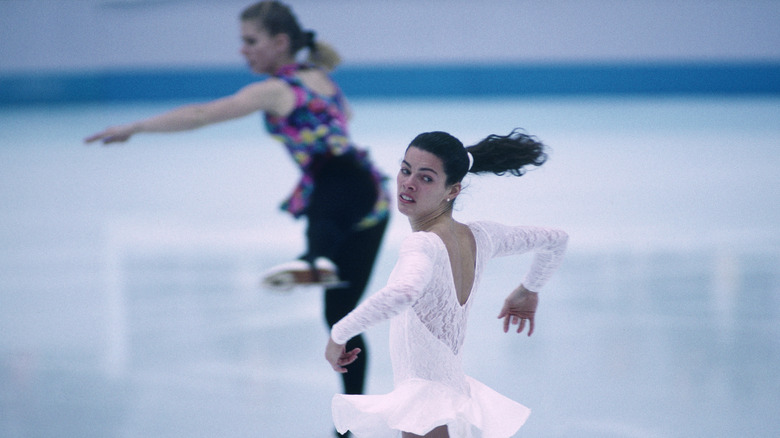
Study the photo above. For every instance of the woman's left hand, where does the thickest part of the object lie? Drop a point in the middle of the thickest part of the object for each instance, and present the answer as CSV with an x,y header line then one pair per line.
x,y
339,357
519,307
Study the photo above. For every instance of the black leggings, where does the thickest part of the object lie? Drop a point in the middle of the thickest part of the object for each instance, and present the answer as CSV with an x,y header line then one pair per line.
x,y
343,195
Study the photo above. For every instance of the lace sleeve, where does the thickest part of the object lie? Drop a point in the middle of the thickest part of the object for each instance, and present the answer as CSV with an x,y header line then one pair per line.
x,y
548,245
409,278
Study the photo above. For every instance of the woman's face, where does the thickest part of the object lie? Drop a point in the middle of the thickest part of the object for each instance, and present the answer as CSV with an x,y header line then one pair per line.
x,y
263,53
422,185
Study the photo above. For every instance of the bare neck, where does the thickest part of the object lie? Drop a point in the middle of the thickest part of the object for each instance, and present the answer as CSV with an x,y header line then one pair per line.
x,y
439,218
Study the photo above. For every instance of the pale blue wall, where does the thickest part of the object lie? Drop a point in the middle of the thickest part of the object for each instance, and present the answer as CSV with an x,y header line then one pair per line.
x,y
91,34
88,36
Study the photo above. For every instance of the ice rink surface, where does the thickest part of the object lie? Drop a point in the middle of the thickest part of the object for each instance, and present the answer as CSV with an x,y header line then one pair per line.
x,y
129,304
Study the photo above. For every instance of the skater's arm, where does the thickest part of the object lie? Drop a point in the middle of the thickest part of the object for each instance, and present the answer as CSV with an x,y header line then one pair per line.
x,y
271,95
548,246
409,278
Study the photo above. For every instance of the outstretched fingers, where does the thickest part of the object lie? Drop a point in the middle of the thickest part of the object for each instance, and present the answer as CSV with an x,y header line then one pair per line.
x,y
517,317
345,359
520,309
349,357
338,357
114,134
521,326
520,322
506,316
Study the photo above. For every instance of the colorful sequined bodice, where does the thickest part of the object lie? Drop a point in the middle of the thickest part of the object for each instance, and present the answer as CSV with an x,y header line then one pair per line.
x,y
316,128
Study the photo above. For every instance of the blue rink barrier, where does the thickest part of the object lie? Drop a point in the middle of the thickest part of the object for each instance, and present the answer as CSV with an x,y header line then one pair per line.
x,y
402,81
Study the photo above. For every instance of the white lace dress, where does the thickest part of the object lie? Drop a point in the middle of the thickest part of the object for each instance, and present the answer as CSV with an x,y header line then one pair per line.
x,y
427,331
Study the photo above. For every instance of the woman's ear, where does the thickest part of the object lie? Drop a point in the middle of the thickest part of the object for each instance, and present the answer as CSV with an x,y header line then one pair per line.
x,y
454,191
281,42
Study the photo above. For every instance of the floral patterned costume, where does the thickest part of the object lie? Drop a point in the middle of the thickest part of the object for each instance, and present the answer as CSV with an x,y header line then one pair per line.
x,y
316,130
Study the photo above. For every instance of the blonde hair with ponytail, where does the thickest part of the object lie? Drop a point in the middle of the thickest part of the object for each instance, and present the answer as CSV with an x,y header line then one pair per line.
x,y
276,17
324,55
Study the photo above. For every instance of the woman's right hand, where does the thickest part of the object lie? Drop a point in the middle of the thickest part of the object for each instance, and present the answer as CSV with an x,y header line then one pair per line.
x,y
338,356
114,134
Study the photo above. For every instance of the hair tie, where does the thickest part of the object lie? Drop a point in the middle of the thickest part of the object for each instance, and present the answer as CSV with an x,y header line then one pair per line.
x,y
310,39
471,160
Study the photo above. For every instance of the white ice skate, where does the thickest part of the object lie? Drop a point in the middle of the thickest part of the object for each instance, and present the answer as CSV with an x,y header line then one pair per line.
x,y
300,273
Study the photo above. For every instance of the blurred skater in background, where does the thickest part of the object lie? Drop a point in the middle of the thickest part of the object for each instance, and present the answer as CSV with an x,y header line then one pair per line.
x,y
430,292
341,192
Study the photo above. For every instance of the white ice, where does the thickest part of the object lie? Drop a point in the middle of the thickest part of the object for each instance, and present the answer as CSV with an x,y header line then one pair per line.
x,y
129,304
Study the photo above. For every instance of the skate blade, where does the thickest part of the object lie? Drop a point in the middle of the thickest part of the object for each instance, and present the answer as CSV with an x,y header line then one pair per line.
x,y
285,280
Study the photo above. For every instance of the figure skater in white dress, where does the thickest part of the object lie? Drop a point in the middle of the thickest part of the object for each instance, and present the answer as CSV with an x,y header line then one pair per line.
x,y
430,291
